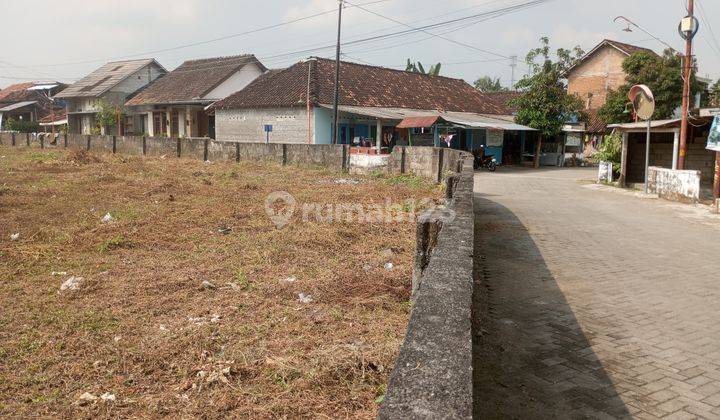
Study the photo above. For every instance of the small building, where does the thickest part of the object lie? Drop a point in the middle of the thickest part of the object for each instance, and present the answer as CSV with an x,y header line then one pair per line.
x,y
112,84
664,149
378,108
28,102
175,104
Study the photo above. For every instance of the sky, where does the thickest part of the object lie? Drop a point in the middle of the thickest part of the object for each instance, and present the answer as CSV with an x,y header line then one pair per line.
x,y
65,40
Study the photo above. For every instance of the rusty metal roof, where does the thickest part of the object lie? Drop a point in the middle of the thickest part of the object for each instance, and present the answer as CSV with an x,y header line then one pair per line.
x,y
418,122
105,78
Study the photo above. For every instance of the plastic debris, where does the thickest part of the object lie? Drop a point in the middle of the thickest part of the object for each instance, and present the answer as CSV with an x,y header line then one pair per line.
x,y
107,218
215,318
59,273
207,285
303,298
389,266
291,279
14,236
224,230
107,397
73,283
86,398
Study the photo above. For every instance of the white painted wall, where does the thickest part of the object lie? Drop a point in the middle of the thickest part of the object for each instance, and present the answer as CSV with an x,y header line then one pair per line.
x,y
139,79
236,82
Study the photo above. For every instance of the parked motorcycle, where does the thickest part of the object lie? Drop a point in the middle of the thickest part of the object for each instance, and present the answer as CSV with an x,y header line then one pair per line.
x,y
481,160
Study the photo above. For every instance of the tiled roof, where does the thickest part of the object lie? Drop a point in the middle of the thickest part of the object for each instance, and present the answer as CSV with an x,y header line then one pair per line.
x,y
18,93
360,85
502,100
105,78
627,48
192,80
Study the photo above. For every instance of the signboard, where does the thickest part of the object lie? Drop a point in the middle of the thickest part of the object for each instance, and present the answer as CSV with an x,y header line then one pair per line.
x,y
573,139
268,128
713,142
494,138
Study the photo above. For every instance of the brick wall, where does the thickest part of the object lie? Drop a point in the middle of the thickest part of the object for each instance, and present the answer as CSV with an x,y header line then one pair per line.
x,y
661,153
597,75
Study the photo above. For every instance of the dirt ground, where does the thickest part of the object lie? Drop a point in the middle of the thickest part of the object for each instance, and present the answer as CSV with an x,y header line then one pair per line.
x,y
145,331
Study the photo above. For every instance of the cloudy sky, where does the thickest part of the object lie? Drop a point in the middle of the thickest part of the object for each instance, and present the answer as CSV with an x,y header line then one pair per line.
x,y
64,40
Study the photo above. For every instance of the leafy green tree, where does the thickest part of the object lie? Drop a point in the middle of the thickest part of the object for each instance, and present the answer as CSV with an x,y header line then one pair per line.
x,y
419,68
544,103
610,150
22,126
715,94
487,84
662,74
107,116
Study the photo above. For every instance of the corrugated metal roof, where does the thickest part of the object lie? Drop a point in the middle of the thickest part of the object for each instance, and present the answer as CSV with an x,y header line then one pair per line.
x,y
643,124
467,119
105,78
17,106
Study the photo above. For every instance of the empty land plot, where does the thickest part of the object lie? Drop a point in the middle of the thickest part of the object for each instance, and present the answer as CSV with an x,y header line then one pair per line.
x,y
189,300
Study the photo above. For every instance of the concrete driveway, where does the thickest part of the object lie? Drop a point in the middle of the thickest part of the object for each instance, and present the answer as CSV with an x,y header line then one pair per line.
x,y
592,302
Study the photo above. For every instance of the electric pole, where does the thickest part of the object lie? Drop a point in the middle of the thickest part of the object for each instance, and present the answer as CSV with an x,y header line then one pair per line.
x,y
688,29
336,129
513,64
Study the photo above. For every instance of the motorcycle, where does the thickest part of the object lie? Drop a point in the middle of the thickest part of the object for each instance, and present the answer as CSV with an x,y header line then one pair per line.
x,y
481,160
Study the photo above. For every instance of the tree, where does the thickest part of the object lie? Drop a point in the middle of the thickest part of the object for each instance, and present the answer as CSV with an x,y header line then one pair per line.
x,y
419,68
544,103
662,74
715,94
487,84
107,116
22,126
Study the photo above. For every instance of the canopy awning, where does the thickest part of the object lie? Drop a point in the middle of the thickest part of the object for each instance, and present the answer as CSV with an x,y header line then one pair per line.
x,y
17,105
418,122
463,119
643,124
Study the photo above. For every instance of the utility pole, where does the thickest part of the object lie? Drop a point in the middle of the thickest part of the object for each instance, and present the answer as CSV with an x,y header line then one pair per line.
x,y
513,64
336,129
688,28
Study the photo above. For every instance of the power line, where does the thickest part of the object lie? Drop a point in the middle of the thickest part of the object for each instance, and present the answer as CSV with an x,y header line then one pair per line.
x,y
209,41
715,45
421,29
471,18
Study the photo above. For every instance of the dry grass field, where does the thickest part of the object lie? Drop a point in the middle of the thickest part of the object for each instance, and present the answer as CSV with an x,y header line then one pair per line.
x,y
189,303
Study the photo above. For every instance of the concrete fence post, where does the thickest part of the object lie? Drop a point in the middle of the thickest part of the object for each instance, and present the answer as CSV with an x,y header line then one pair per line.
x,y
27,139
65,140
179,147
114,144
237,152
441,155
450,183
284,156
205,151
403,154
343,165
88,142
13,138
144,139
42,141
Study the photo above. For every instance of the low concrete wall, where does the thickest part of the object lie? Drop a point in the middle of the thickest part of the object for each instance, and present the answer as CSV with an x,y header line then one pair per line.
x,y
433,377
675,185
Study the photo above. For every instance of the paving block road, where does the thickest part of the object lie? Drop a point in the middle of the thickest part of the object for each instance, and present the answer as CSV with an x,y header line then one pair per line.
x,y
593,302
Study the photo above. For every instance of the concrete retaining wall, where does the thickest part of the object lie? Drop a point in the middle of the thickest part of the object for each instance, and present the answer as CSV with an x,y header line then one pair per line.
x,y
675,185
432,377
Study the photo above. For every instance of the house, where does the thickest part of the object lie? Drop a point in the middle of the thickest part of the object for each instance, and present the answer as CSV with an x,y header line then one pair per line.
x,y
111,84
28,102
378,108
600,71
175,103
